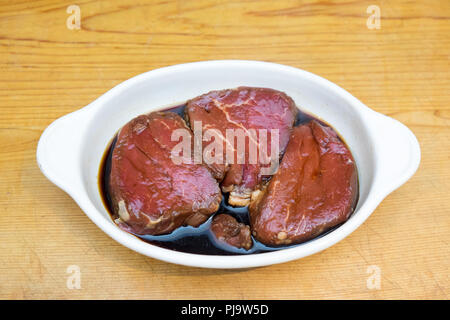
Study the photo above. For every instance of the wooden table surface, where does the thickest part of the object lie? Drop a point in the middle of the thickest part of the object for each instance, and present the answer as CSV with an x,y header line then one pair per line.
x,y
48,70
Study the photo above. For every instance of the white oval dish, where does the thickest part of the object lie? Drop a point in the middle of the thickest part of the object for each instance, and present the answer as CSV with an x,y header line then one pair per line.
x,y
70,150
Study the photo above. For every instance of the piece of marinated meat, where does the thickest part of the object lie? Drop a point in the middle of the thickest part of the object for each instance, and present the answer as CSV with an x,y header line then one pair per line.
x,y
150,193
227,229
245,110
314,189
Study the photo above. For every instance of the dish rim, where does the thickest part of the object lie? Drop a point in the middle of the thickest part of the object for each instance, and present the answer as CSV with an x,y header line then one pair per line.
x,y
374,197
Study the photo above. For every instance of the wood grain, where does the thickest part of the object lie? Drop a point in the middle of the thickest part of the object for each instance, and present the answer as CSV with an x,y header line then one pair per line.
x,y
47,70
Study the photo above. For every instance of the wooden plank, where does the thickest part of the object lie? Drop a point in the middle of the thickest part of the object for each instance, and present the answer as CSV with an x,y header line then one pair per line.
x,y
48,70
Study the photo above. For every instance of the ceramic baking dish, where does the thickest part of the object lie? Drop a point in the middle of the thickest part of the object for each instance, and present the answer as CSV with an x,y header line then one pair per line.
x,y
70,150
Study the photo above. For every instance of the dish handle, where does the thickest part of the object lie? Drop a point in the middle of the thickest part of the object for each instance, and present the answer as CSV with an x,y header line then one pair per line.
x,y
58,150
397,155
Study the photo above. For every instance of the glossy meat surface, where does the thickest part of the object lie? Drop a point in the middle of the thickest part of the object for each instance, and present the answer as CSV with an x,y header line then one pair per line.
x,y
150,193
228,230
245,109
314,189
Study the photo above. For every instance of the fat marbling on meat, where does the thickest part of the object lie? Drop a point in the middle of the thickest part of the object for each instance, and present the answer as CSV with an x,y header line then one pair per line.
x,y
150,193
245,109
314,189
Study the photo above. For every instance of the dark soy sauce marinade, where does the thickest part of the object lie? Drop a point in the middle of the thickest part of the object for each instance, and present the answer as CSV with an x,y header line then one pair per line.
x,y
199,239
